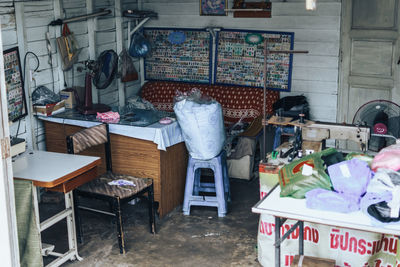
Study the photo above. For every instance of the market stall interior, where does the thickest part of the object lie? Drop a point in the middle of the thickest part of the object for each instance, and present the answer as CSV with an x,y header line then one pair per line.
x,y
261,133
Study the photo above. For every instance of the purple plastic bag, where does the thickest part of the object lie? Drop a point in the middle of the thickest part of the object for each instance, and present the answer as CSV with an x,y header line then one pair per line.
x,y
350,177
322,199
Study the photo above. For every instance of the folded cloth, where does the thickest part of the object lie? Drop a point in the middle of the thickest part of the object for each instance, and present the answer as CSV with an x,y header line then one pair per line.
x,y
122,182
109,116
322,199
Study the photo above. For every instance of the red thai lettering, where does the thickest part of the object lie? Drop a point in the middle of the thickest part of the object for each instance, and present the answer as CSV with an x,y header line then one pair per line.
x,y
288,260
287,228
361,246
295,233
378,262
266,228
346,264
262,194
262,230
344,241
307,233
315,235
353,245
334,239
269,228
374,247
393,245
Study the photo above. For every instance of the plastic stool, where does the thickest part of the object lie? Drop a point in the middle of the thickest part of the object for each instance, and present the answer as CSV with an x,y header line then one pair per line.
x,y
194,185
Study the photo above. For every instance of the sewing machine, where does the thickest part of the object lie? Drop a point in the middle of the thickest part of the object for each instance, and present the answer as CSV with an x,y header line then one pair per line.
x,y
310,136
320,131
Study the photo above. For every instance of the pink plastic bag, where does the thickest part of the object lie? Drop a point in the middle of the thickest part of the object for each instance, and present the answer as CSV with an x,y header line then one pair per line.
x,y
388,158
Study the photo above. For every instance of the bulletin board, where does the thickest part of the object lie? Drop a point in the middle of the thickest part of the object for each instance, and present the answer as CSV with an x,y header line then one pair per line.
x,y
14,85
240,63
178,54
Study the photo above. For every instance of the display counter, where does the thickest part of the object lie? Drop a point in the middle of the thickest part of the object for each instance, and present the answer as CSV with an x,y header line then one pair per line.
x,y
140,146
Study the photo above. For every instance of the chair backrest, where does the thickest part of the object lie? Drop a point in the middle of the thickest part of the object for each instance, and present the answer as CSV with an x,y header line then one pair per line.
x,y
90,137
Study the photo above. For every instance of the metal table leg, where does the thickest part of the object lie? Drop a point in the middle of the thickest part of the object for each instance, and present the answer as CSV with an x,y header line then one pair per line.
x,y
301,238
277,242
278,239
67,214
72,243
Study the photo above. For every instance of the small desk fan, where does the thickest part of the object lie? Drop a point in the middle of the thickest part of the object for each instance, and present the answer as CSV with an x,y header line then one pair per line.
x,y
102,71
383,117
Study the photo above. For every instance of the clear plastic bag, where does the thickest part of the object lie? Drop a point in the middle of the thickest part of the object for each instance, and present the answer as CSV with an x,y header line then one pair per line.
x,y
42,96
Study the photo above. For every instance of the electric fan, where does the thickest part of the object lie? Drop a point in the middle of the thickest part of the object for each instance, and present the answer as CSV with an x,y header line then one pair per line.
x,y
383,117
102,71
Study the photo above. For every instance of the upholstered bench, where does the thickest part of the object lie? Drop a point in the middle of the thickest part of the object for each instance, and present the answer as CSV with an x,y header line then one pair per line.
x,y
238,102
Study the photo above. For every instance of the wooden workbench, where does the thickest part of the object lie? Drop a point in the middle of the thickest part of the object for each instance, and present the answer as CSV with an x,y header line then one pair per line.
x,y
135,157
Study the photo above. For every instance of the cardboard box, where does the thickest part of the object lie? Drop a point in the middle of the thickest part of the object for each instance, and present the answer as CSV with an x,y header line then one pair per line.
x,y
308,261
49,109
69,95
69,98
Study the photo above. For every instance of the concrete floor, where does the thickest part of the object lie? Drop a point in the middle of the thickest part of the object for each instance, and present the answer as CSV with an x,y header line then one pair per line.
x,y
201,239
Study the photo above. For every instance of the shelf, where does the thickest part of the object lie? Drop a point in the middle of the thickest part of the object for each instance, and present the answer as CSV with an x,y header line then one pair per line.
x,y
252,10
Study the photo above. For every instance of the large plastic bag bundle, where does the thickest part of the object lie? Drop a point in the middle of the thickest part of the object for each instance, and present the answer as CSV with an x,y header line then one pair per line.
x,y
301,176
388,158
382,200
349,180
202,124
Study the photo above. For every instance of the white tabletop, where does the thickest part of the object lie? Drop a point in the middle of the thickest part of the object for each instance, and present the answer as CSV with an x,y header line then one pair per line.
x,y
47,167
162,135
296,209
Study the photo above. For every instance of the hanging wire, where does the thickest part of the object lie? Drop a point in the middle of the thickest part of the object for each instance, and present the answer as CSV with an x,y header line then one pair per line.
x,y
36,68
50,61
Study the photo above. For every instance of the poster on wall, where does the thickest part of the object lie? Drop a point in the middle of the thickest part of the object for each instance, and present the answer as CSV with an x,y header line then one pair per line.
x,y
240,59
213,7
14,85
178,55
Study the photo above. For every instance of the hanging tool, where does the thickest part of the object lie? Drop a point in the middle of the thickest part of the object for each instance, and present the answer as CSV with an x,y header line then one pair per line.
x,y
60,22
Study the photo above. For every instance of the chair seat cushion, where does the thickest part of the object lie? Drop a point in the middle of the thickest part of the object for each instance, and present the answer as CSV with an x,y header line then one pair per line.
x,y
100,185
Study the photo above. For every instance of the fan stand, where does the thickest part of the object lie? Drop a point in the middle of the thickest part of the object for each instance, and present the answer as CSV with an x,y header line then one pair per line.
x,y
89,108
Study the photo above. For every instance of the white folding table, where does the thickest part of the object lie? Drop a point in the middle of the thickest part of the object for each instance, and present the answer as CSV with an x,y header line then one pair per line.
x,y
283,208
57,172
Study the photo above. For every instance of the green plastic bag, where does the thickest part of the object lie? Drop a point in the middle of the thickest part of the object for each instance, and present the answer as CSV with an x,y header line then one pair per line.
x,y
296,179
361,156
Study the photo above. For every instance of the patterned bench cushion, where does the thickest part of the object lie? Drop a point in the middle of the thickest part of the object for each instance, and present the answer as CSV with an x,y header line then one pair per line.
x,y
100,185
236,101
89,137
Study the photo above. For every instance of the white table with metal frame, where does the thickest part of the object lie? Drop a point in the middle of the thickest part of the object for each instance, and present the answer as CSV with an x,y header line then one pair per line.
x,y
283,208
57,172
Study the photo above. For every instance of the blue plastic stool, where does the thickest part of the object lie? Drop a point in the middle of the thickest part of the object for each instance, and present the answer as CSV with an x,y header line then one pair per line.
x,y
220,186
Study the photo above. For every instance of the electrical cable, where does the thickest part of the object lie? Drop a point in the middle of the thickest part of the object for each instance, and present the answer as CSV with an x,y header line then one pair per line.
x,y
24,71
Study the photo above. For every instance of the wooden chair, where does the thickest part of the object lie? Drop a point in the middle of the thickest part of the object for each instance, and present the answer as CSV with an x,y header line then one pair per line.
x,y
99,188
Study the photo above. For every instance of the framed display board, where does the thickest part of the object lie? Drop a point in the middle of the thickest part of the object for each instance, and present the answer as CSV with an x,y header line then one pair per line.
x,y
14,85
178,54
239,61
